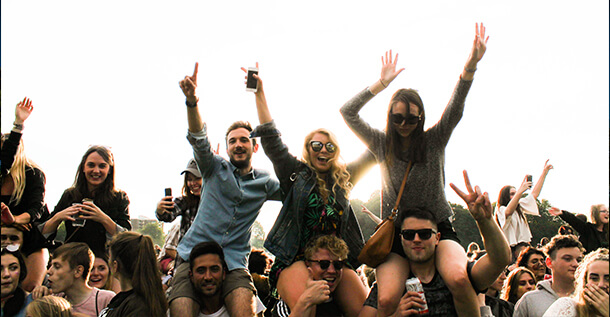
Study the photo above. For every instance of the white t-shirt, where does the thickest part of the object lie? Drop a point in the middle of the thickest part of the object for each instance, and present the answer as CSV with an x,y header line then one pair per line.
x,y
88,307
515,228
222,312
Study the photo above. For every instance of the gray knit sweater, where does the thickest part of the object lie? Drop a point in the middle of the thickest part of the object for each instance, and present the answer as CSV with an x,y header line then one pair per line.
x,y
426,183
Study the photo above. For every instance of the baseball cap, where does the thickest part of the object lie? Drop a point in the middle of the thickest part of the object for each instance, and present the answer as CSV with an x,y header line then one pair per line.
x,y
191,167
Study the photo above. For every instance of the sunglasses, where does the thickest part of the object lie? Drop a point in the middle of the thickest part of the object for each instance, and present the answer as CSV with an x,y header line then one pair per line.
x,y
324,264
423,234
397,118
317,146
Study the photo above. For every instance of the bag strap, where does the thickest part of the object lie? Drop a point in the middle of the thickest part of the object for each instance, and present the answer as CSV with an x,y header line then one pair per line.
x,y
402,188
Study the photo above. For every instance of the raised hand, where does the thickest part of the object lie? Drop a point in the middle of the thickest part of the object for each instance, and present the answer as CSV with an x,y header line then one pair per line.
x,y
477,202
525,185
7,216
258,80
547,166
554,211
23,110
164,205
479,46
388,68
189,85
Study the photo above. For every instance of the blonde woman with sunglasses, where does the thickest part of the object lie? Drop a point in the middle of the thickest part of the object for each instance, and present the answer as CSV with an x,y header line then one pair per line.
x,y
316,202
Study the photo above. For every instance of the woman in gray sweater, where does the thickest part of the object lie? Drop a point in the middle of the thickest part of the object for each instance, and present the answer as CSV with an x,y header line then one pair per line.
x,y
404,140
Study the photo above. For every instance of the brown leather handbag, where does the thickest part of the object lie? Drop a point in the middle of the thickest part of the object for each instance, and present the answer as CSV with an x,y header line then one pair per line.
x,y
379,245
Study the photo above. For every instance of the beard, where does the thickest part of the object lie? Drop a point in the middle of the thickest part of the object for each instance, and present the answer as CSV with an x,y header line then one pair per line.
x,y
241,164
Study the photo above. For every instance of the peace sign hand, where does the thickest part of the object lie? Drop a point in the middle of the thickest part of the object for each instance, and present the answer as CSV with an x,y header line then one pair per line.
x,y
477,202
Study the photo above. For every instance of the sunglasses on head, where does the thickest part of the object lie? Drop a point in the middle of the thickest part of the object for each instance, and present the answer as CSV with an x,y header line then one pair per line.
x,y
324,264
317,146
423,234
397,118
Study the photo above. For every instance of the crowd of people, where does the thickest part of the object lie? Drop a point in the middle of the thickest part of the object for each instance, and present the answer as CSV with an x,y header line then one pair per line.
x,y
208,268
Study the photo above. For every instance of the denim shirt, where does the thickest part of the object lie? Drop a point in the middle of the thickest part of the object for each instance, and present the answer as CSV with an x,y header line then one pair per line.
x,y
229,204
297,180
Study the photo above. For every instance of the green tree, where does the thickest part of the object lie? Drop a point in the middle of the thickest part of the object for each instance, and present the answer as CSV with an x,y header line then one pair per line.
x,y
257,239
465,226
544,226
367,225
153,229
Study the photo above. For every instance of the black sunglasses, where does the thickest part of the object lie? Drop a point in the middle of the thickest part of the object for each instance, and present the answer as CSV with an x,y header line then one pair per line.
x,y
423,234
324,264
397,118
317,146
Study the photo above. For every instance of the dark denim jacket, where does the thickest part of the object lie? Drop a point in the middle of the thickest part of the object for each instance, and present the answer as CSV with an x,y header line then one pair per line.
x,y
297,180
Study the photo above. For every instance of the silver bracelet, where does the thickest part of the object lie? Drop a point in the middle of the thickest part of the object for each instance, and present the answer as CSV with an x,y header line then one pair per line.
x,y
470,70
18,126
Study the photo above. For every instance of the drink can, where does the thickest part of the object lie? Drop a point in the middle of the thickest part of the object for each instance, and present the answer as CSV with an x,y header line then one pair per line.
x,y
414,285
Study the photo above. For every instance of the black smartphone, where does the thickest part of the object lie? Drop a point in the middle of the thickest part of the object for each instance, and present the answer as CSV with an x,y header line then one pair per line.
x,y
251,82
529,179
168,191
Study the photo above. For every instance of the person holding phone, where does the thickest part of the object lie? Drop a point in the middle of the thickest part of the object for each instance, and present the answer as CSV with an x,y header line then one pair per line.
x,y
316,202
511,209
404,140
185,206
94,198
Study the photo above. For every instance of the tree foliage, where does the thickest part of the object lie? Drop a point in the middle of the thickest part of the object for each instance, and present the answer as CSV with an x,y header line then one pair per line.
x,y
257,239
153,229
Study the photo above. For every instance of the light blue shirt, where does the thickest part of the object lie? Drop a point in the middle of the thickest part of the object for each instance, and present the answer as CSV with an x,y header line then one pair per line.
x,y
229,204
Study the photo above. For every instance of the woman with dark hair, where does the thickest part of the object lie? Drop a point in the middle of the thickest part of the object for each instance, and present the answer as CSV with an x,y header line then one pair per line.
x,y
403,142
23,190
13,271
533,259
518,282
316,202
511,209
592,235
93,209
133,262
101,276
185,206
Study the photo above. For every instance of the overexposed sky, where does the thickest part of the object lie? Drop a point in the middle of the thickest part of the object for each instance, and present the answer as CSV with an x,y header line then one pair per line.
x,y
107,73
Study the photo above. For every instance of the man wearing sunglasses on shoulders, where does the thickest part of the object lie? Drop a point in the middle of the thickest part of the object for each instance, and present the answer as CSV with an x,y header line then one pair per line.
x,y
325,258
419,239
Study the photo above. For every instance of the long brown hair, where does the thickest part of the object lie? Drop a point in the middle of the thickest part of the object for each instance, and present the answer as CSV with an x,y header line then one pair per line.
x,y
504,200
106,191
192,200
137,261
595,216
511,284
416,151
338,171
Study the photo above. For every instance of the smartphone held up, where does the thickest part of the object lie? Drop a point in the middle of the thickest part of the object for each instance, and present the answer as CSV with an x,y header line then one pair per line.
x,y
251,82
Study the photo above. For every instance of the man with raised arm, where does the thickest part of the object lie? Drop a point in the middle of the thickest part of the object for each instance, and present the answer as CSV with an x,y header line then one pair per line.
x,y
419,237
230,202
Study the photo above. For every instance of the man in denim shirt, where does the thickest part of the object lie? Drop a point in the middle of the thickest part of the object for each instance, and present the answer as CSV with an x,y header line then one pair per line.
x,y
230,202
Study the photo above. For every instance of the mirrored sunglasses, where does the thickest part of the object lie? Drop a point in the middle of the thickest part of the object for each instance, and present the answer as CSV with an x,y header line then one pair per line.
x,y
317,146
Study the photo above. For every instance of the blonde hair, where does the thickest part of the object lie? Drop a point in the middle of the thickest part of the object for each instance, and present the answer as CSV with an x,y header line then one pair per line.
x,y
49,306
17,172
595,216
338,170
583,308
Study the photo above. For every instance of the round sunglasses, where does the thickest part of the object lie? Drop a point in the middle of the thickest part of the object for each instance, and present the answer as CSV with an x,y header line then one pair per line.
x,y
317,146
